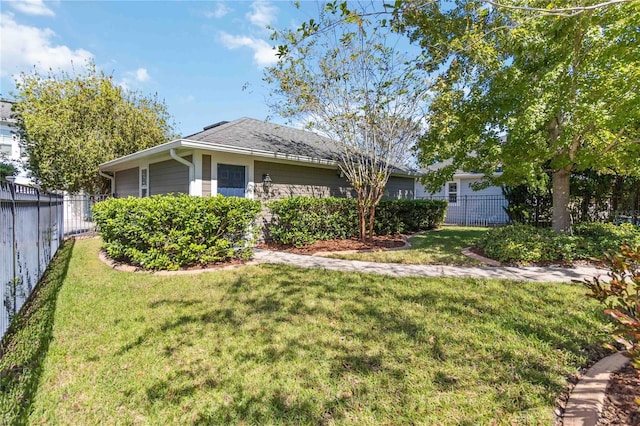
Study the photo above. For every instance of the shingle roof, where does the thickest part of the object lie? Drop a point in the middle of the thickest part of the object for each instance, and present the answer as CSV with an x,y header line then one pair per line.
x,y
260,135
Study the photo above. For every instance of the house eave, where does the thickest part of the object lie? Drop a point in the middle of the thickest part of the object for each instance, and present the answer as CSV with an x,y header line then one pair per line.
x,y
216,147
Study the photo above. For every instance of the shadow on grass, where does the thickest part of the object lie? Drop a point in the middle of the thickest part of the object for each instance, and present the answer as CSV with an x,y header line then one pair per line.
x,y
367,330
26,343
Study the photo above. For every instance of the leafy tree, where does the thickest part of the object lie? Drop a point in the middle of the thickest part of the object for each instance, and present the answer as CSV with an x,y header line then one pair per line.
x,y
7,169
343,77
565,90
70,123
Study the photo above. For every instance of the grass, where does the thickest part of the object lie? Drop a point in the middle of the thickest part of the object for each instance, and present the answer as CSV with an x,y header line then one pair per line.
x,y
439,246
25,345
281,345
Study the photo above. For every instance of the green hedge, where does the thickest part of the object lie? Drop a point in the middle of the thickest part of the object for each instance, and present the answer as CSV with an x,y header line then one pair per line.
x,y
169,232
525,243
304,220
402,216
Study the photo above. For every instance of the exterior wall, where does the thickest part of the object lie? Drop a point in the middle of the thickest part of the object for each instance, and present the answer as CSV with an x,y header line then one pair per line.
x,y
400,188
127,183
169,177
10,150
206,175
291,180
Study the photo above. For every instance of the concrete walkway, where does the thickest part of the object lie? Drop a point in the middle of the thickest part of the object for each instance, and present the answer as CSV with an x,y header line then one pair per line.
x,y
529,273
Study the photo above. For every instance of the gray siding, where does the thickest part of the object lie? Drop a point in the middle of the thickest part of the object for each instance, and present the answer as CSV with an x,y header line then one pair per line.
x,y
169,177
399,187
288,181
206,175
127,183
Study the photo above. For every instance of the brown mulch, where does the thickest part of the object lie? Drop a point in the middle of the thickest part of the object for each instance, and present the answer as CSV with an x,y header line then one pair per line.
x,y
620,407
379,243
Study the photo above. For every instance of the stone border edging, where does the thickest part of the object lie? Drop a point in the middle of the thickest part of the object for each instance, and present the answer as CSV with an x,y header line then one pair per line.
x,y
587,398
130,268
475,256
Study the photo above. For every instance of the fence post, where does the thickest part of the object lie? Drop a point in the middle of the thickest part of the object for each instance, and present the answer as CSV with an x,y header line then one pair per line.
x,y
14,246
39,233
466,222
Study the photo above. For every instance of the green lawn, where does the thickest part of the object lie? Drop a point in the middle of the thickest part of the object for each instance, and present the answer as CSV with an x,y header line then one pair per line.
x,y
439,246
282,345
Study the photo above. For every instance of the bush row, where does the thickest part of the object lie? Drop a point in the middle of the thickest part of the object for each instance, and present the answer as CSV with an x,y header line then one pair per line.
x,y
167,232
302,220
525,243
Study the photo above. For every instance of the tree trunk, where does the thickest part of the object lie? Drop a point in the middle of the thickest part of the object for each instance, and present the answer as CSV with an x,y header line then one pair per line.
x,y
561,218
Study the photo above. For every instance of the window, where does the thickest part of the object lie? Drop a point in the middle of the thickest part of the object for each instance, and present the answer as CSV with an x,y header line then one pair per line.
x,y
231,180
5,149
452,192
144,182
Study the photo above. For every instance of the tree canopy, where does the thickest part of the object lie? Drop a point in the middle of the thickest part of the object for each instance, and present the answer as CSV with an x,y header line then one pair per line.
x,y
70,123
343,77
529,92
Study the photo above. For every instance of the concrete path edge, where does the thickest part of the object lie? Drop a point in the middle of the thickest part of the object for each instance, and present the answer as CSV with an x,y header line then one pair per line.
x,y
587,397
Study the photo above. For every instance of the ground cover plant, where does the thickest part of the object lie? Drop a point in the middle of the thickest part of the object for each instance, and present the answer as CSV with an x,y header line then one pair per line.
x,y
588,241
437,246
169,232
282,345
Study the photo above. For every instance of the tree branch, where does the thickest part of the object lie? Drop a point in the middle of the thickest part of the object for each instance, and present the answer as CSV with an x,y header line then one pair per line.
x,y
565,11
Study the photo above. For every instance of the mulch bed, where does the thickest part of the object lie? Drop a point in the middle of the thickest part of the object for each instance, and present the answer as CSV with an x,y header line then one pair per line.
x,y
379,243
620,407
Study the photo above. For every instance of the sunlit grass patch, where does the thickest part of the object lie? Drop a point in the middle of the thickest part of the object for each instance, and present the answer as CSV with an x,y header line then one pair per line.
x,y
438,246
281,345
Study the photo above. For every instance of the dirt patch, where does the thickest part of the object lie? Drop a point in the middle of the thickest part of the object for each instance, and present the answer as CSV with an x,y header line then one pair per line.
x,y
379,243
620,407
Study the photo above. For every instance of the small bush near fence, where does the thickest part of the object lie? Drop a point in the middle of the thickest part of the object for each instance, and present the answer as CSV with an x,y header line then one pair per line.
x,y
168,232
401,216
525,243
303,220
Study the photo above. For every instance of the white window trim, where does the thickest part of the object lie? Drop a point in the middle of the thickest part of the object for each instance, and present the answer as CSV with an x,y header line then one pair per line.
x,y
140,186
446,192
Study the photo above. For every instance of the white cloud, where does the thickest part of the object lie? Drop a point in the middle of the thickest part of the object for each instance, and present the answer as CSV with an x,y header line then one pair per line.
x,y
263,53
221,10
23,47
132,78
142,75
262,13
31,7
186,99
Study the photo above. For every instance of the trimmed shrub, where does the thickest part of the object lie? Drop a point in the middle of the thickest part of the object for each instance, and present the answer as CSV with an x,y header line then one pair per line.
x,y
401,216
169,232
304,220
525,243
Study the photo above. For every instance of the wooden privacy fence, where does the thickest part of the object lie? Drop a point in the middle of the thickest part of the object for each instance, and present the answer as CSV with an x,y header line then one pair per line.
x,y
31,230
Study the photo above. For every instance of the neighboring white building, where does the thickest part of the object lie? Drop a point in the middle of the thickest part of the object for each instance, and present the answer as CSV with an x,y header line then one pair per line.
x,y
10,150
468,206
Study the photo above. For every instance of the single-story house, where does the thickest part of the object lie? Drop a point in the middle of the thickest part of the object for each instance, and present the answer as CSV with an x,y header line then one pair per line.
x,y
246,158
468,205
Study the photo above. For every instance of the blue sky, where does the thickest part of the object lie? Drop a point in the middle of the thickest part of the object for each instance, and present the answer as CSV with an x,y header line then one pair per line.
x,y
197,55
